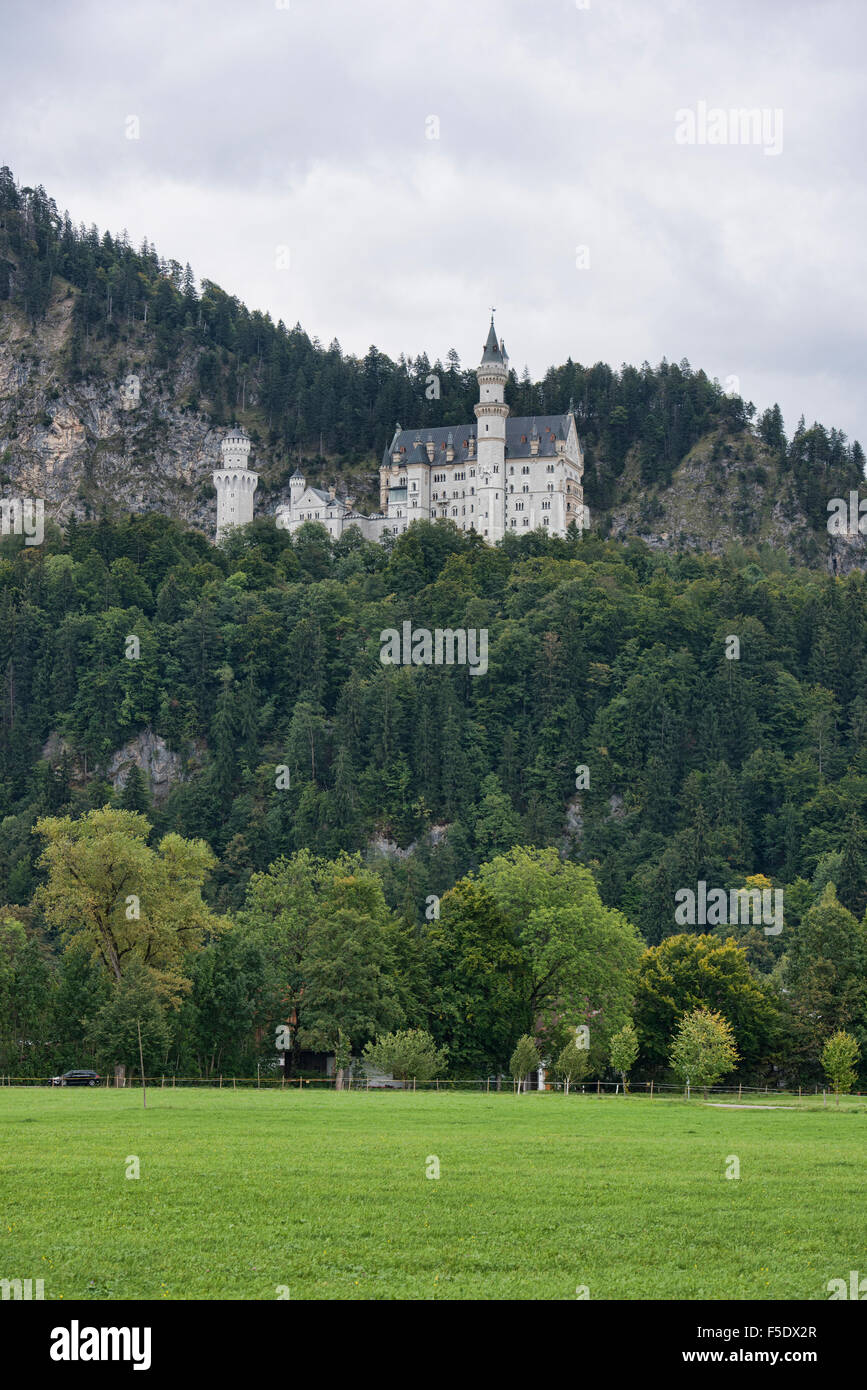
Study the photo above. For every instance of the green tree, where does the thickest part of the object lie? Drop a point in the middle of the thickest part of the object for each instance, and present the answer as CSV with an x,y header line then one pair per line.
x,y
852,880
478,987
523,1060
348,968
409,1053
574,947
840,1057
704,1048
825,972
572,1064
134,1003
624,1050
127,901
688,972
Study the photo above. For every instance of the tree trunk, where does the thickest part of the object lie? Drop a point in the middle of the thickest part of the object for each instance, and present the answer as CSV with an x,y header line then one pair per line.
x,y
338,1079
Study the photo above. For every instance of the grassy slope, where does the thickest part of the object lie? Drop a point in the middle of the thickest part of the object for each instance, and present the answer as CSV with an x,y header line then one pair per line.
x,y
243,1191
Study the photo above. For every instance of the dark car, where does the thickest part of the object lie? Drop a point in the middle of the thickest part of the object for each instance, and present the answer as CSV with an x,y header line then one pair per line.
x,y
76,1078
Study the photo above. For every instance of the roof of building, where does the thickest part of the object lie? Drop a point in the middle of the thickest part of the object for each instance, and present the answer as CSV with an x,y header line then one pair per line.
x,y
493,352
297,474
519,432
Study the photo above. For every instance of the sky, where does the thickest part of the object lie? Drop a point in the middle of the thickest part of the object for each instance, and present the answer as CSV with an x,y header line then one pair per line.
x,y
386,171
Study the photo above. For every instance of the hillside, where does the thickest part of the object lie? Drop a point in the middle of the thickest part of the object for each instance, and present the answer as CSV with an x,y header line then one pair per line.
x,y
670,458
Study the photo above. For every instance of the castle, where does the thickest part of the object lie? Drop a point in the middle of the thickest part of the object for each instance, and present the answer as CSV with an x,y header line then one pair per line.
x,y
500,475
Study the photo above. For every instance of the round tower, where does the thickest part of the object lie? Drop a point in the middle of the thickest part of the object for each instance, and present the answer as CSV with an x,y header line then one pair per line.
x,y
297,485
235,482
491,413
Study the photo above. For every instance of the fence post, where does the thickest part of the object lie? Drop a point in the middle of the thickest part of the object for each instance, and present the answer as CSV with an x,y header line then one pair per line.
x,y
598,1087
221,1081
234,1084
739,1090
651,1090
257,1074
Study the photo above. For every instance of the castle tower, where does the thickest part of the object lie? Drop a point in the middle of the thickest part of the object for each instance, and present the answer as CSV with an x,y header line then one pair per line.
x,y
235,483
491,413
297,485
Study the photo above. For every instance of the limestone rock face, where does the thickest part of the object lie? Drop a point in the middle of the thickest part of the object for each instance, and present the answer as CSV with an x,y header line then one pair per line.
x,y
161,767
122,437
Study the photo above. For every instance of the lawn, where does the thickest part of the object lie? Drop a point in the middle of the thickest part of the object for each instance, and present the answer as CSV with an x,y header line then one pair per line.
x,y
243,1192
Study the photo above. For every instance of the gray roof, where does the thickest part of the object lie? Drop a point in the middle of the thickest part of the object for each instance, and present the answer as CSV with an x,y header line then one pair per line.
x,y
492,352
297,474
548,427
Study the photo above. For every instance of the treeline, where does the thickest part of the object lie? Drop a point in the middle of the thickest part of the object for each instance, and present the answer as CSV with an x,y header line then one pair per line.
x,y
300,398
520,958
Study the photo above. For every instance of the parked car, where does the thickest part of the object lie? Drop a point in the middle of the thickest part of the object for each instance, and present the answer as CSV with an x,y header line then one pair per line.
x,y
76,1078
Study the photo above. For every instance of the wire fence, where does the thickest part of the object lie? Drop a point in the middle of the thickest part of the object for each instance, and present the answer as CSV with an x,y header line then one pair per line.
x,y
442,1085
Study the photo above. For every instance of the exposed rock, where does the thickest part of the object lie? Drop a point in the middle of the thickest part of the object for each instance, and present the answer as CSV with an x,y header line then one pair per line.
x,y
390,849
148,751
574,818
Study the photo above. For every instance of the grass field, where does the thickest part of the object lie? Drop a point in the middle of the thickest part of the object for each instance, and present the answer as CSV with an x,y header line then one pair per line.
x,y
327,1195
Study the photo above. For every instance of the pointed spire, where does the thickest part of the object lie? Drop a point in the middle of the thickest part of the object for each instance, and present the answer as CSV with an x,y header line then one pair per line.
x,y
493,352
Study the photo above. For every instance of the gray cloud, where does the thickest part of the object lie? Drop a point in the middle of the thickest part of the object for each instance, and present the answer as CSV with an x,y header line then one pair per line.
x,y
306,127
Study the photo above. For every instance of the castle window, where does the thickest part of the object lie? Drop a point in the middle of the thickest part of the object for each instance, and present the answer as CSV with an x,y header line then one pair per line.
x,y
526,468
526,521
546,520
526,487
549,468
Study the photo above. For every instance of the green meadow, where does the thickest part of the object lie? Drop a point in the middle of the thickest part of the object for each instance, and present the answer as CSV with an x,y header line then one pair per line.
x,y
259,1195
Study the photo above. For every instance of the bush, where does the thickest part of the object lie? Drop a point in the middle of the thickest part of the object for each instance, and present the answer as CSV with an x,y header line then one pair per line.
x,y
410,1052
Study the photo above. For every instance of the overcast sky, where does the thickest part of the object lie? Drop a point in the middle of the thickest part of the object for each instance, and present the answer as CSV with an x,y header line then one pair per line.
x,y
307,125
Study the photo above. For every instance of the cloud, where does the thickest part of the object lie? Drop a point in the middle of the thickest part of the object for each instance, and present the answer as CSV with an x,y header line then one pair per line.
x,y
308,126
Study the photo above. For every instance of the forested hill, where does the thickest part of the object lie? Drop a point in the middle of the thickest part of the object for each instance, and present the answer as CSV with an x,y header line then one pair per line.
x,y
265,655
670,457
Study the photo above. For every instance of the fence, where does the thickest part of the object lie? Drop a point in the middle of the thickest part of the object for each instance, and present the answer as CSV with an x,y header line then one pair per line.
x,y
488,1085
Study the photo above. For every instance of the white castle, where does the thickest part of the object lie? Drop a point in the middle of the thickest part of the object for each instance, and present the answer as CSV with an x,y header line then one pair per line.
x,y
497,476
